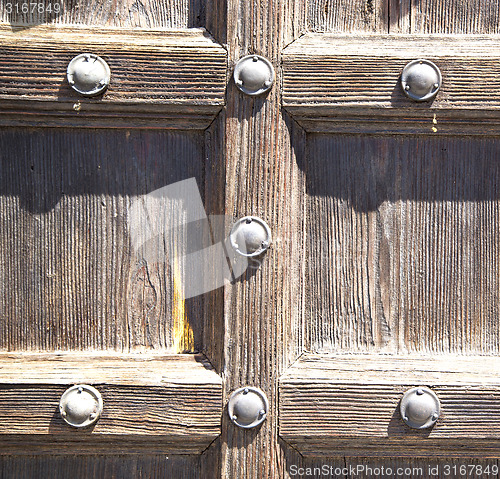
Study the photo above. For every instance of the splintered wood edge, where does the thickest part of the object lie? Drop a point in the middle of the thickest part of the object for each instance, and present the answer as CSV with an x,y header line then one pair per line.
x,y
38,94
165,402
349,405
350,84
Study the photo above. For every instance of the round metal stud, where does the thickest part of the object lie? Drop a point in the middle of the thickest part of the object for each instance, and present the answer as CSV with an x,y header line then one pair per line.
x,y
421,80
254,75
80,405
248,407
88,74
420,408
250,236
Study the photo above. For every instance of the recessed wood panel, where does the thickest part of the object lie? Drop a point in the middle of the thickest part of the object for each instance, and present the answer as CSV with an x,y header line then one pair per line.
x,y
71,276
402,244
347,16
128,13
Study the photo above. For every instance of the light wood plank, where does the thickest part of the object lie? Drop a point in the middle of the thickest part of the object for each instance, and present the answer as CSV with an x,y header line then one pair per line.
x,y
154,74
357,78
175,401
346,404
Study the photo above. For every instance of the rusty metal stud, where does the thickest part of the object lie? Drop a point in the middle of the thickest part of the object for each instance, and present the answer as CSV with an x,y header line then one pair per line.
x,y
250,236
420,408
254,75
248,407
421,80
81,405
88,74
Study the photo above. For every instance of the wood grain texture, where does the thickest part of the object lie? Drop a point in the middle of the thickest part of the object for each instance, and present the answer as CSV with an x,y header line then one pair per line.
x,y
263,308
359,76
402,244
71,276
409,467
437,16
175,400
330,403
335,16
128,13
153,73
99,467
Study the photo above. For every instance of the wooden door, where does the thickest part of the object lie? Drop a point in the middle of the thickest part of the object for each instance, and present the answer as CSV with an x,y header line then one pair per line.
x,y
382,274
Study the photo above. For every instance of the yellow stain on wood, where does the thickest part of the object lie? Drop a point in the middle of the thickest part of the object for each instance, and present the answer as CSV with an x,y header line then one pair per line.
x,y
183,332
434,122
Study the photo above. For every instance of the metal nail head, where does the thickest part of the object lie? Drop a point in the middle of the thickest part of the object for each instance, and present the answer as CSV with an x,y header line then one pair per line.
x,y
81,405
250,236
420,408
88,74
254,75
248,407
421,80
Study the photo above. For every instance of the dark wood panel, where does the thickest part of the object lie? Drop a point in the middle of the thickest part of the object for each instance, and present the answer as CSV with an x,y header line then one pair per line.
x,y
153,75
174,401
71,278
366,468
128,13
346,404
99,467
402,244
347,16
357,78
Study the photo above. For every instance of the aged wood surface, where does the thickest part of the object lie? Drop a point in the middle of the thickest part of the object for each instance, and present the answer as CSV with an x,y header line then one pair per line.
x,y
262,309
74,271
402,244
159,79
174,401
328,78
84,467
128,13
403,16
328,403
347,16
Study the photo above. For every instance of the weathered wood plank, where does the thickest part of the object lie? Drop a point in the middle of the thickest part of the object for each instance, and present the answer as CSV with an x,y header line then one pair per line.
x,y
71,276
128,13
28,466
343,405
175,399
437,16
402,244
335,16
179,74
262,309
359,76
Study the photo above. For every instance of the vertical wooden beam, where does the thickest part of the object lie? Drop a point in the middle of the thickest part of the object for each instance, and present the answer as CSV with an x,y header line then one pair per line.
x,y
264,177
